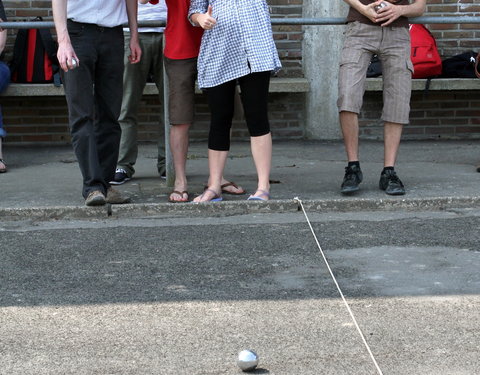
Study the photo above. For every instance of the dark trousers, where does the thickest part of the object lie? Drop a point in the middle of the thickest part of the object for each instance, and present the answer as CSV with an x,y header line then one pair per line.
x,y
94,97
4,82
254,95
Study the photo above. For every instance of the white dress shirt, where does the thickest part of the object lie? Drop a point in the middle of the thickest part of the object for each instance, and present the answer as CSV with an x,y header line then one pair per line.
x,y
107,13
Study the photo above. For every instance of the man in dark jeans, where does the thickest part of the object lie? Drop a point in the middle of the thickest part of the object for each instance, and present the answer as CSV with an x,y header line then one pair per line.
x,y
90,53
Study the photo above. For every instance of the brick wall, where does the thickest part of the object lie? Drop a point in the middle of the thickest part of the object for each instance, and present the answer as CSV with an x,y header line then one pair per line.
x,y
454,39
437,115
45,119
288,38
37,119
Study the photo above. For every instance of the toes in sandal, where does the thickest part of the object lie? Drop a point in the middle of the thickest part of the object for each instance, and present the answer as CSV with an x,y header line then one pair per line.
x,y
260,197
231,183
4,168
181,194
215,198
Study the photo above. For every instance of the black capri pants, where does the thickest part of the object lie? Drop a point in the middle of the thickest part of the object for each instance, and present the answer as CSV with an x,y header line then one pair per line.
x,y
254,94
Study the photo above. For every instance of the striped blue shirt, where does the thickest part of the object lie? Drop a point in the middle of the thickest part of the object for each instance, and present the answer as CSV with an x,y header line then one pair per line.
x,y
240,43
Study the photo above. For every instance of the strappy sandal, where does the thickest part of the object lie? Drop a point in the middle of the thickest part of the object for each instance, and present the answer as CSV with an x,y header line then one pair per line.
x,y
227,184
4,169
263,193
216,196
231,183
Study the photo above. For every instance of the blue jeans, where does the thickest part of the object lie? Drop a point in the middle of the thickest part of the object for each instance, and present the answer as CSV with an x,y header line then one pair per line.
x,y
4,82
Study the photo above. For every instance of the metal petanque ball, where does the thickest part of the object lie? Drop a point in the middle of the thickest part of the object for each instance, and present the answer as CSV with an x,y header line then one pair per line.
x,y
247,360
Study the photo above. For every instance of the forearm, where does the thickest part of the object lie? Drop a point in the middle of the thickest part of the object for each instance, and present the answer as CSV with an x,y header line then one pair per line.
x,y
132,8
356,4
143,1
197,7
194,18
416,9
59,8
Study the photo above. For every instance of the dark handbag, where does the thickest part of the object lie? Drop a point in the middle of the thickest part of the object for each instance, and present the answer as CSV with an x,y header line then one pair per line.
x,y
375,67
460,66
477,71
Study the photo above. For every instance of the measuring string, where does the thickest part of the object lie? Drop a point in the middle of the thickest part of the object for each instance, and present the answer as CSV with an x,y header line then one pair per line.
x,y
338,288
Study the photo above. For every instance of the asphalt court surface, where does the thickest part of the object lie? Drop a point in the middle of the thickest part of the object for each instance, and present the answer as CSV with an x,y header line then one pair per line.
x,y
172,295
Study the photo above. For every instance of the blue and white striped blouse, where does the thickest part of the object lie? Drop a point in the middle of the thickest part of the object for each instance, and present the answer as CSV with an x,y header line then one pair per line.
x,y
240,43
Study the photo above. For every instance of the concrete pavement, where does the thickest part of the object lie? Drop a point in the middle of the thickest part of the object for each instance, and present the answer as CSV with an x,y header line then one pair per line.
x,y
160,288
185,295
45,181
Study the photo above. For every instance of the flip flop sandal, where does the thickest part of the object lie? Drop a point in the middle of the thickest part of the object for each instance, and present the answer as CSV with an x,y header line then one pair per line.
x,y
4,169
216,197
259,197
231,183
181,193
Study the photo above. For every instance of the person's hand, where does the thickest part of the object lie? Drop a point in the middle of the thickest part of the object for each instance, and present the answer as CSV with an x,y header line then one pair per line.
x,y
3,37
135,51
206,20
67,58
369,11
386,15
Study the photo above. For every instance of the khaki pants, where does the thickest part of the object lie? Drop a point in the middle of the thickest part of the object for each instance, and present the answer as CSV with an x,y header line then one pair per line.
x,y
392,45
134,80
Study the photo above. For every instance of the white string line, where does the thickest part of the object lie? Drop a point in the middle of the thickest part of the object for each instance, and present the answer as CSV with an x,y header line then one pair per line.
x,y
338,287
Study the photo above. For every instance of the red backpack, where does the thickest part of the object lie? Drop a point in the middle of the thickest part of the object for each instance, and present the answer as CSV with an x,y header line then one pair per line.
x,y
424,54
35,57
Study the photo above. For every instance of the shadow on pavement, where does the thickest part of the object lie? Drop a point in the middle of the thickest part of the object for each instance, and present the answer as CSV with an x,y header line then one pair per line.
x,y
98,265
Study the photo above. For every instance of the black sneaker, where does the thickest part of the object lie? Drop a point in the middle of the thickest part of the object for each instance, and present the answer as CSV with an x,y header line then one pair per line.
x,y
120,177
162,170
353,177
390,182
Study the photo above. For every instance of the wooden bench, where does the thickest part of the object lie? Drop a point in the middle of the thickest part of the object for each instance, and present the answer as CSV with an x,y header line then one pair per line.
x,y
277,85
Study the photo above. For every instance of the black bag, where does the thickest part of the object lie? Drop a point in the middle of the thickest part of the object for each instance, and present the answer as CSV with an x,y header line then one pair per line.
x,y
477,63
459,66
35,57
375,67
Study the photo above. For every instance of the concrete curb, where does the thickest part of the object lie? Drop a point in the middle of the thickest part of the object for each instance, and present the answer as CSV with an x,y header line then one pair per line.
x,y
391,204
235,208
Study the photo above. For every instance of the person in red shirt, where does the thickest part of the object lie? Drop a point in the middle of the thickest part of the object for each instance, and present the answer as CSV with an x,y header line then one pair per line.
x,y
182,46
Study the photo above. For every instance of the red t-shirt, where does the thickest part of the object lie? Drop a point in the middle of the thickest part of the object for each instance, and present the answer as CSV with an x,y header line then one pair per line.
x,y
182,40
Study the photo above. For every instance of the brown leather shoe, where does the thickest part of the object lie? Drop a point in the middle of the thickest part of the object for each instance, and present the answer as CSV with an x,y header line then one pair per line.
x,y
115,197
95,198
